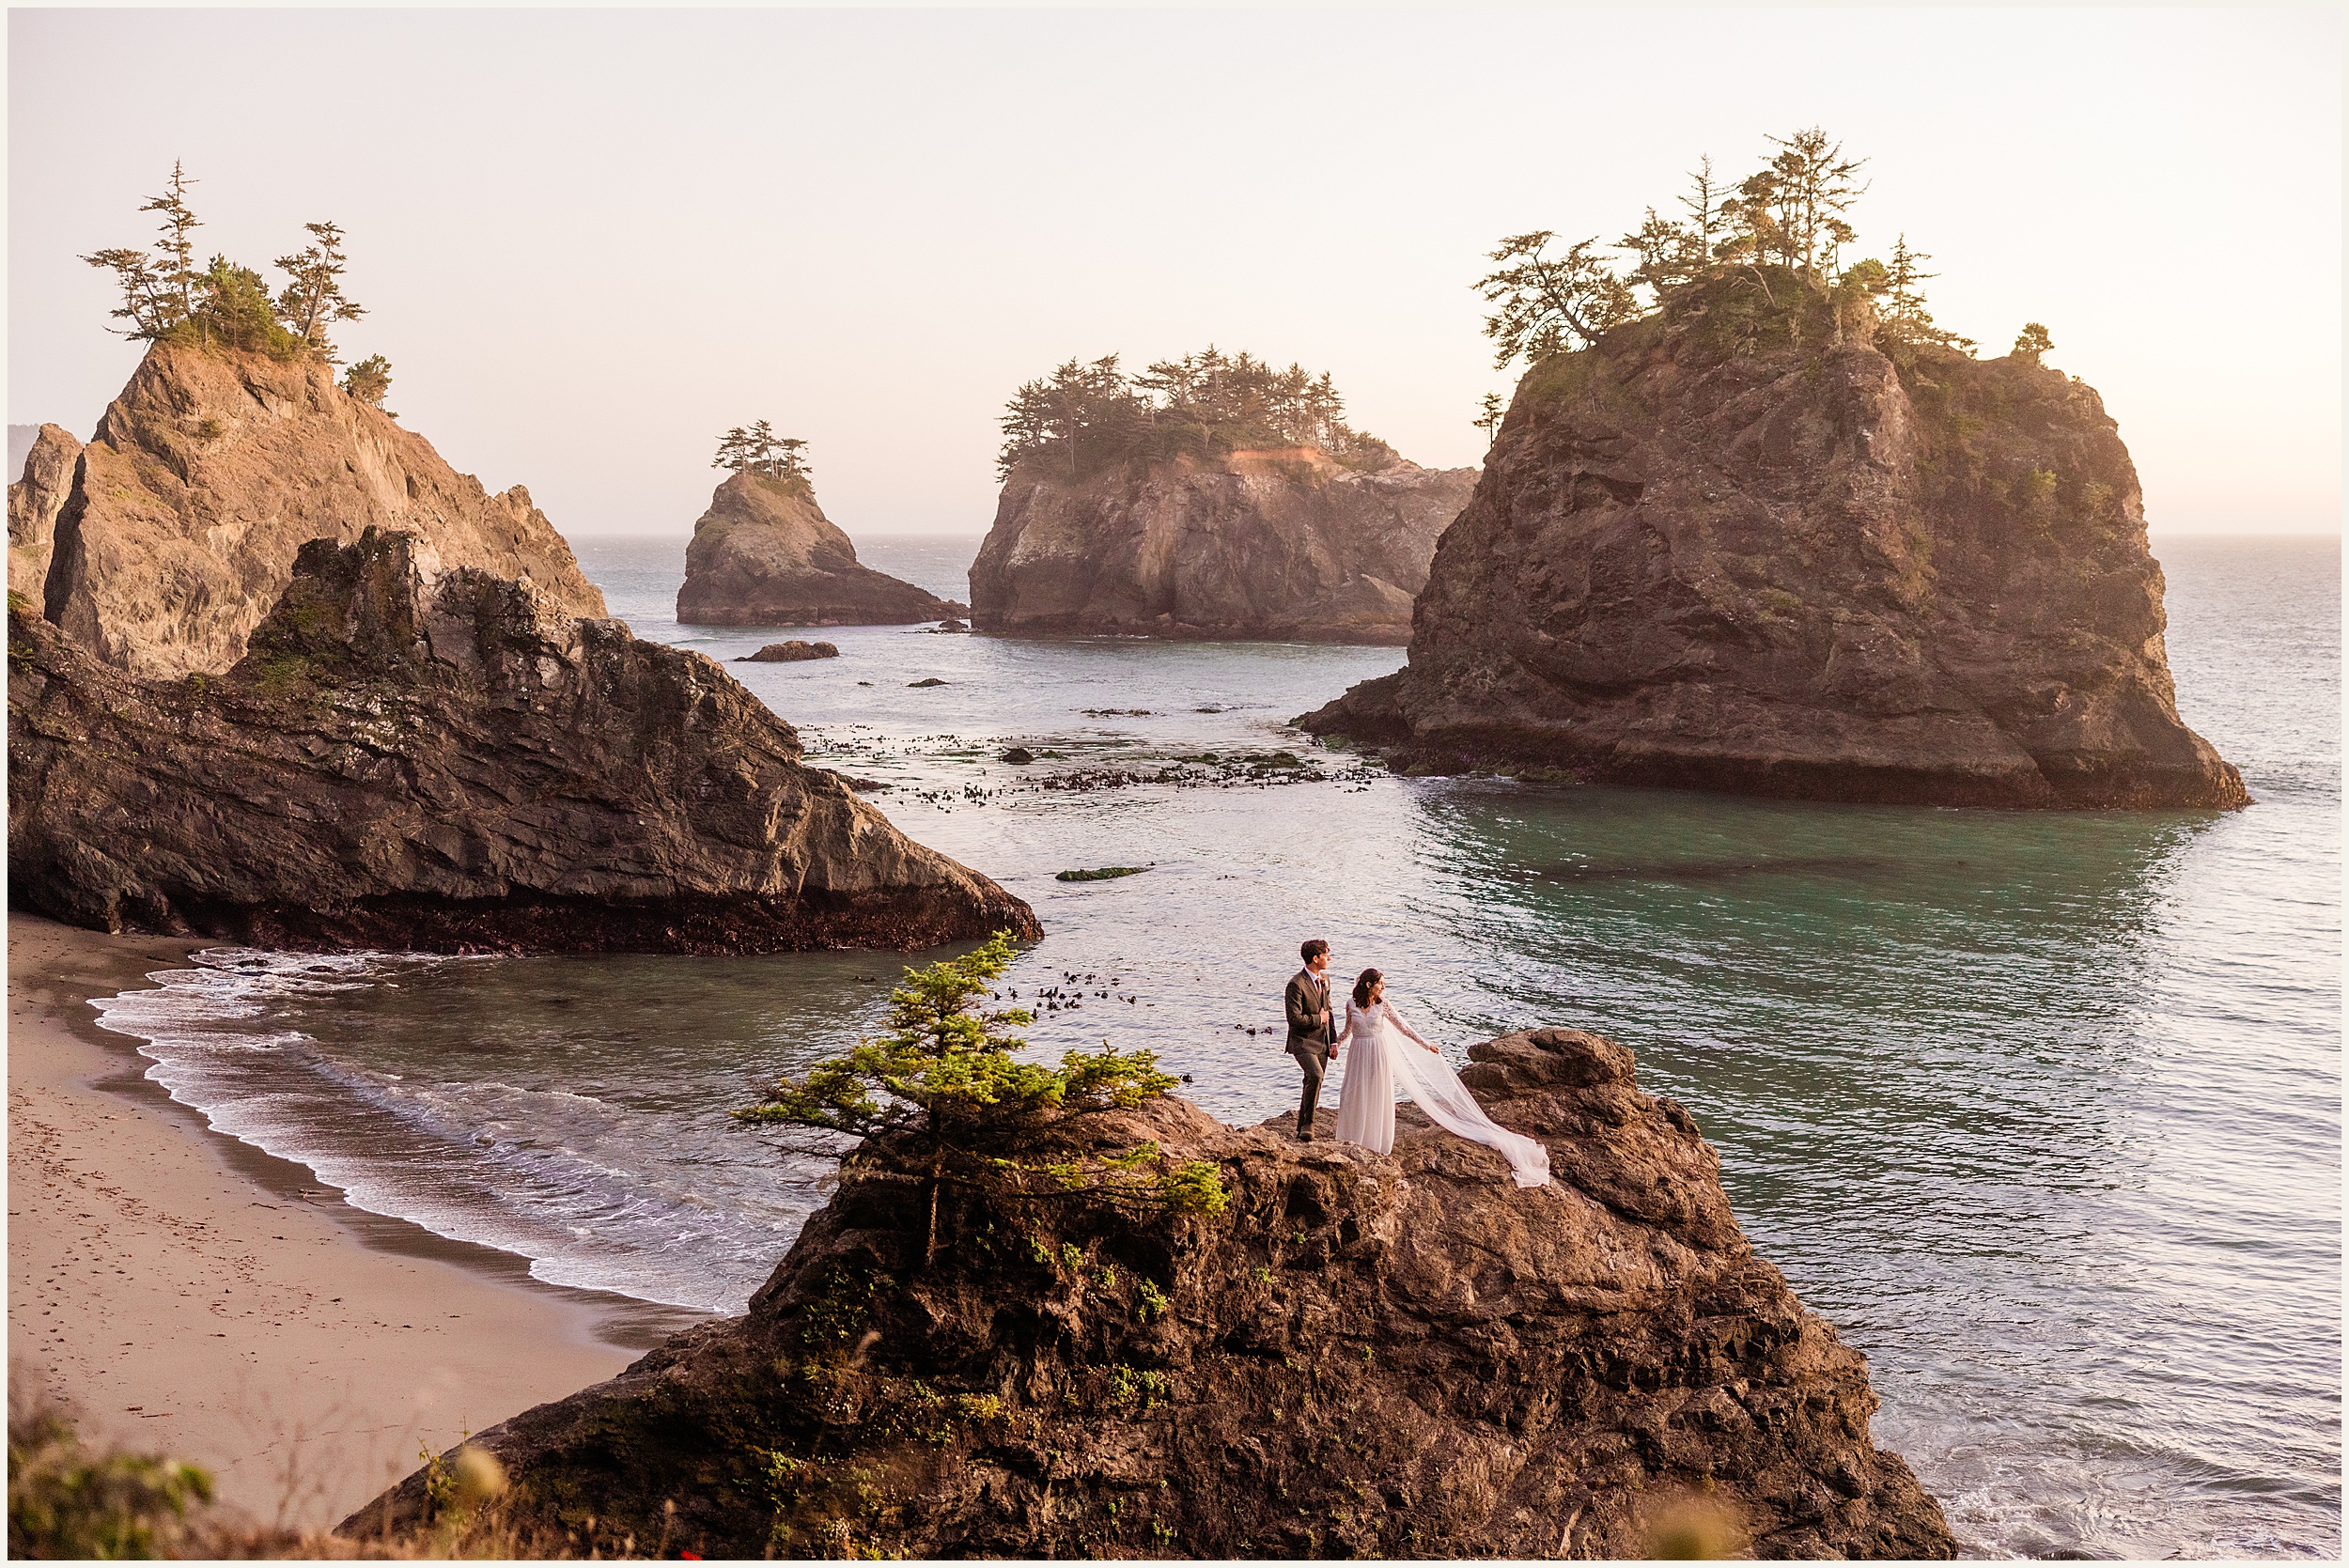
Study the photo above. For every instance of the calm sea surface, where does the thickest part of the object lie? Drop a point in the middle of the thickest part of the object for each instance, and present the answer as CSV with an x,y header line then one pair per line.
x,y
2043,1111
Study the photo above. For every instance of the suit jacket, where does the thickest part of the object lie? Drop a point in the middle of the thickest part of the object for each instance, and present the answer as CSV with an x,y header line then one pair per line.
x,y
1307,996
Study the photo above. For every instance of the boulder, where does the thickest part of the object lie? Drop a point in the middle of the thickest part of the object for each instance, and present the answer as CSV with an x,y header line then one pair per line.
x,y
210,472
1829,571
412,757
1363,1355
765,555
1282,544
791,652
34,502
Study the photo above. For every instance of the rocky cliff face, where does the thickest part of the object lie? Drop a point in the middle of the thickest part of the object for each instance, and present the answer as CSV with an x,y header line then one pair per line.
x,y
1363,1355
765,555
1802,572
34,502
443,760
216,466
1281,544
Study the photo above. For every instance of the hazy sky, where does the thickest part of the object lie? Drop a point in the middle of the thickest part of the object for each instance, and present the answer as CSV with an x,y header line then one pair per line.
x,y
590,240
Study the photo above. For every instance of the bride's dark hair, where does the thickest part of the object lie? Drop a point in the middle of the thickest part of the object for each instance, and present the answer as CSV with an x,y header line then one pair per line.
x,y
1363,983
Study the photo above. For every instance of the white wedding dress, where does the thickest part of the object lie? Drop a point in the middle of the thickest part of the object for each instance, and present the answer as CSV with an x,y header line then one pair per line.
x,y
1381,1052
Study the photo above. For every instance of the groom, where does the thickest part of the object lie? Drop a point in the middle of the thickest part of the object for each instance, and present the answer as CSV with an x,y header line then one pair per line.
x,y
1312,1040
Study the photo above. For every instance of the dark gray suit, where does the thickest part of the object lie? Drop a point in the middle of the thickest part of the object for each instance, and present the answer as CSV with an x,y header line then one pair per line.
x,y
1310,1037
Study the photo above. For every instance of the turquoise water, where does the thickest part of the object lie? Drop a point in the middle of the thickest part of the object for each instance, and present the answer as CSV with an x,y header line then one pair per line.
x,y
2042,1110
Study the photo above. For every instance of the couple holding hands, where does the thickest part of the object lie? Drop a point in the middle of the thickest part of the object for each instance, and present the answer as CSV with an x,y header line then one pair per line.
x,y
1382,1054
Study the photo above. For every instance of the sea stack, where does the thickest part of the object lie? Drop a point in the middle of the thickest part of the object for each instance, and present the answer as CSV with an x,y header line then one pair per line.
x,y
1280,543
1819,569
34,502
413,755
765,555
216,466
1361,1354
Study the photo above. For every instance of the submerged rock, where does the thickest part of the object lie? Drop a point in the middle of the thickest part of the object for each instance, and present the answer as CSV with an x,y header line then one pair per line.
x,y
413,757
216,466
792,652
1283,544
1800,571
1363,1355
765,555
34,502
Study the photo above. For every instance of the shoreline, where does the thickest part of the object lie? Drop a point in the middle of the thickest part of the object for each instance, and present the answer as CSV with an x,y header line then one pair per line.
x,y
186,1293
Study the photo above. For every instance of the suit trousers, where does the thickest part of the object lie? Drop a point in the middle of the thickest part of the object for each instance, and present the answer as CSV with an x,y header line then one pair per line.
x,y
1313,1056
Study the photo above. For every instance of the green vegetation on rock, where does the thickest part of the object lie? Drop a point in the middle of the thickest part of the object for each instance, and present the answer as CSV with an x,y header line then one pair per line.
x,y
1099,874
1092,416
758,450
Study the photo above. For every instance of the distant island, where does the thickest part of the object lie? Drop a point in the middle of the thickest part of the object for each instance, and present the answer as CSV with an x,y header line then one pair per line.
x,y
1211,497
1755,522
765,555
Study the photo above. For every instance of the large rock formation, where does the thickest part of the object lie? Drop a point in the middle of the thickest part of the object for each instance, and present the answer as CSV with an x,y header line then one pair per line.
x,y
1281,544
34,502
413,757
1362,1356
216,465
1801,571
765,555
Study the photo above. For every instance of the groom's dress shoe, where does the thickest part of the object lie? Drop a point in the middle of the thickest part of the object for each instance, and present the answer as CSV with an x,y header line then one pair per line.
x,y
1304,1134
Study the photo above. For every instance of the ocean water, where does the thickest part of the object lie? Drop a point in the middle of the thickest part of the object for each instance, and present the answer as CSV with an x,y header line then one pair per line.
x,y
2043,1111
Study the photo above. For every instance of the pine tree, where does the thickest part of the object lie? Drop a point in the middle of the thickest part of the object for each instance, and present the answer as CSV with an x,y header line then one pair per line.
x,y
2032,342
315,296
370,381
1550,304
176,250
1490,414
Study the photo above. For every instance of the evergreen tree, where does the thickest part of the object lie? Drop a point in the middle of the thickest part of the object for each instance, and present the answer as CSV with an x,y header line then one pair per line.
x,y
2034,342
370,381
1548,303
315,296
1490,414
175,253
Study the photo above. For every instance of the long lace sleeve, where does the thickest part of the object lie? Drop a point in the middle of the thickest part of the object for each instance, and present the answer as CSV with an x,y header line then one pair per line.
x,y
1397,1019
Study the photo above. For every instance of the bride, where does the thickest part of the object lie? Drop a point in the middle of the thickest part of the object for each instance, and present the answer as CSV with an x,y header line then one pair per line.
x,y
1382,1052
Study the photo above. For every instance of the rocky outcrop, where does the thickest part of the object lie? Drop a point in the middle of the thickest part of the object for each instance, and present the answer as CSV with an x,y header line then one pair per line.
x,y
765,555
794,651
216,466
1801,571
34,502
1361,1355
416,757
1281,544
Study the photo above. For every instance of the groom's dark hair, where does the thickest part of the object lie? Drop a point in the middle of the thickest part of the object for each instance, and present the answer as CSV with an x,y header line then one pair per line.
x,y
1313,950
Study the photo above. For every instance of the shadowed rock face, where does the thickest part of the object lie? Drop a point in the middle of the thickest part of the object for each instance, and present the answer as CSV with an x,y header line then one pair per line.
x,y
1801,572
216,466
1284,545
34,502
441,760
765,555
1365,1354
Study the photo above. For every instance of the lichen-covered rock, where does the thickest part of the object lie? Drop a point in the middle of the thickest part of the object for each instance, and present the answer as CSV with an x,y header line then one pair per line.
x,y
765,555
1363,1355
34,502
413,757
1801,571
216,466
1282,544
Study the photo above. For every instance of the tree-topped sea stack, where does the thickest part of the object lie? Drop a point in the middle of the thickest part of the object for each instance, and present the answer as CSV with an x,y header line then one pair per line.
x,y
411,756
765,555
1755,524
233,446
1212,496
1059,1313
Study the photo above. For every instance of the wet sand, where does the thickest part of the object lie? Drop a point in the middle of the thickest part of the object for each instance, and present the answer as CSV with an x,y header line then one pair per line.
x,y
187,1294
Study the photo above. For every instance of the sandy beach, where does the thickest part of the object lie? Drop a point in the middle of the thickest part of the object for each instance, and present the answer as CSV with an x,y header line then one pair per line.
x,y
186,1293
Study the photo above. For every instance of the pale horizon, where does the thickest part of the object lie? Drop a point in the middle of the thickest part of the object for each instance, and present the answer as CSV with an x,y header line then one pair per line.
x,y
590,240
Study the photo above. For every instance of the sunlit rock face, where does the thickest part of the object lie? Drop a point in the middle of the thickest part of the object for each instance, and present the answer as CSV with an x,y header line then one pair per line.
x,y
765,555
1282,544
1805,571
216,466
1363,1355
417,757
34,502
